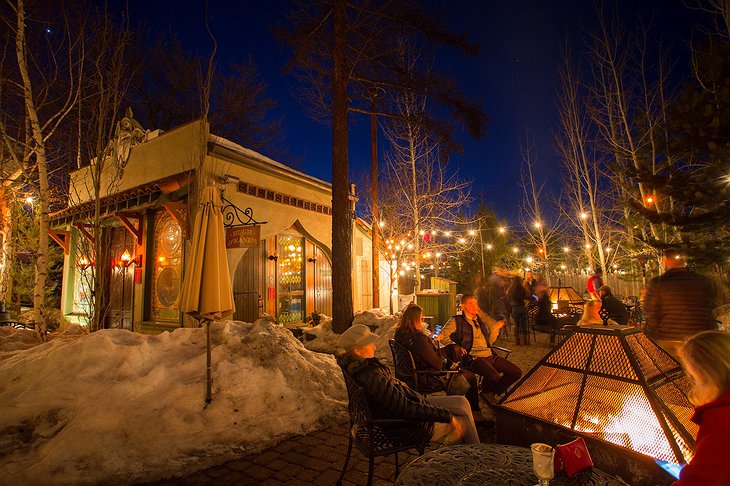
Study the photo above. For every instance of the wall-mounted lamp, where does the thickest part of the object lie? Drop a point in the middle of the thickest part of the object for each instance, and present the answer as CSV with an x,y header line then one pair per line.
x,y
273,257
312,260
84,263
126,260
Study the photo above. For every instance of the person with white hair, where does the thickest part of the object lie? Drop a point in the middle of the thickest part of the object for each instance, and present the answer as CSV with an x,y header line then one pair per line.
x,y
389,398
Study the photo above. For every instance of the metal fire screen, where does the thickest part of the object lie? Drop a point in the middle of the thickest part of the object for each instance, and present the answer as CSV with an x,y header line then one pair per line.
x,y
614,384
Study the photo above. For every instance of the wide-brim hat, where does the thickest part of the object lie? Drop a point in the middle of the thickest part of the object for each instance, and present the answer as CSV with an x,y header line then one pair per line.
x,y
356,336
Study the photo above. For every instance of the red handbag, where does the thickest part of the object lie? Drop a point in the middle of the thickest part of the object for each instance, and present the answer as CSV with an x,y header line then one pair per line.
x,y
573,457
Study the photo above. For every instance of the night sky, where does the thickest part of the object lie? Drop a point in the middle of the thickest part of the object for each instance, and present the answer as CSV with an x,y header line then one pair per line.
x,y
515,76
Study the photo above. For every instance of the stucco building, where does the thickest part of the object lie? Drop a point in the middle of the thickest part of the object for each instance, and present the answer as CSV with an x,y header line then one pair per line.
x,y
279,242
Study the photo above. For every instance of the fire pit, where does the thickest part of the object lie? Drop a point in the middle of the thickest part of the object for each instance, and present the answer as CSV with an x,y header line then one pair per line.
x,y
616,388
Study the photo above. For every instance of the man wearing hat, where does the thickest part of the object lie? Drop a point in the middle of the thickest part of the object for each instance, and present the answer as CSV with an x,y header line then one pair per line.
x,y
615,308
390,398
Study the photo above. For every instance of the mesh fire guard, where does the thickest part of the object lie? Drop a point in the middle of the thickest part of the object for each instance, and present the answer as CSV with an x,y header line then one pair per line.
x,y
614,384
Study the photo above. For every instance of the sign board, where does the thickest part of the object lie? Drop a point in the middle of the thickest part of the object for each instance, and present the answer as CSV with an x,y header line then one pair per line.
x,y
243,237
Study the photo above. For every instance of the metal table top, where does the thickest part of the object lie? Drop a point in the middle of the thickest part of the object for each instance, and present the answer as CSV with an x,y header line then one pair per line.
x,y
488,464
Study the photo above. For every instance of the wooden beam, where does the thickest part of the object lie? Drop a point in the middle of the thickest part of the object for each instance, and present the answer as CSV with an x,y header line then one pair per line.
x,y
179,212
135,228
84,230
62,237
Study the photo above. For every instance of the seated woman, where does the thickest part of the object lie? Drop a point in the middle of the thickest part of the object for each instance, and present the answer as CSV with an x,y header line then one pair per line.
x,y
410,333
591,314
706,358
390,398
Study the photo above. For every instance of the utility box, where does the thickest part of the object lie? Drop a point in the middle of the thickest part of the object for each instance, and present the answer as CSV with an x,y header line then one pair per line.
x,y
440,305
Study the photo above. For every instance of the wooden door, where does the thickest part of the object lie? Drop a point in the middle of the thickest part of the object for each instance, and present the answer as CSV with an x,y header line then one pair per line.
x,y
248,285
121,280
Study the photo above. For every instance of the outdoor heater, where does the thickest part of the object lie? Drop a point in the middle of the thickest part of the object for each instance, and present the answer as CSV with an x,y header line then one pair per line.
x,y
614,387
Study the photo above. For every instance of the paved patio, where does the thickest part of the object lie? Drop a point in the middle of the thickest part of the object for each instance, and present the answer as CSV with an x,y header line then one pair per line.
x,y
317,458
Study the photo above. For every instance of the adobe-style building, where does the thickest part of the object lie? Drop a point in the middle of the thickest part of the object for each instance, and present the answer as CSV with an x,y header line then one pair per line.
x,y
279,239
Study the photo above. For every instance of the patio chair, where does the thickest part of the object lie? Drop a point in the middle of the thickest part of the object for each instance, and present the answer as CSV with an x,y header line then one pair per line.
x,y
380,437
432,381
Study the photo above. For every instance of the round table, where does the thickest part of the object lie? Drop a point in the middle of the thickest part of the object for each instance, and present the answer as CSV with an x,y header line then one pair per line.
x,y
487,464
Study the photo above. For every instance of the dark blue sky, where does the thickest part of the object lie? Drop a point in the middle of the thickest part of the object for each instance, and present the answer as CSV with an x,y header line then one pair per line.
x,y
515,76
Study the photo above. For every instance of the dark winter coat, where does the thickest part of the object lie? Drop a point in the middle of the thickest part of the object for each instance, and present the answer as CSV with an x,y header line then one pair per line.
x,y
616,309
710,465
388,397
425,354
679,304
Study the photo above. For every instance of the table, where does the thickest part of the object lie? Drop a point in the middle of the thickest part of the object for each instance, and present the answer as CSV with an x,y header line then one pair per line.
x,y
487,464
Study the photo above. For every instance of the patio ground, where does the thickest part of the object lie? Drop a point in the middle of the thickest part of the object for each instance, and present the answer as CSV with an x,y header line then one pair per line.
x,y
317,458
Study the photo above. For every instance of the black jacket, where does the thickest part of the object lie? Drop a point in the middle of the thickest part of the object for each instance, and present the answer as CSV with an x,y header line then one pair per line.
x,y
679,304
616,309
388,397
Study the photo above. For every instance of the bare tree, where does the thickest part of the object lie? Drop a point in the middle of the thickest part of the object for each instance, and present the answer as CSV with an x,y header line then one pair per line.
x,y
342,51
48,83
540,231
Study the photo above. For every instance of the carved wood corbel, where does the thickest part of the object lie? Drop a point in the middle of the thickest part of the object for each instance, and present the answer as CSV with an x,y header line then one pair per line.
x,y
83,229
62,237
135,228
179,212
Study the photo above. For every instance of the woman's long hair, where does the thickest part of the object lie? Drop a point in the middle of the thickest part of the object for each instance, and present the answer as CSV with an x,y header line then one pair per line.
x,y
410,321
708,353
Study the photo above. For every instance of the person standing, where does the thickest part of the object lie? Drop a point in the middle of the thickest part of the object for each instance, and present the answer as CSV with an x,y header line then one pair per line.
x,y
706,358
595,282
531,285
517,296
467,335
615,308
679,303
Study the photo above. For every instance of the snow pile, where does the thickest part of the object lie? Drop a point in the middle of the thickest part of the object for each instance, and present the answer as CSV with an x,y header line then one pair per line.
x,y
321,338
14,340
115,407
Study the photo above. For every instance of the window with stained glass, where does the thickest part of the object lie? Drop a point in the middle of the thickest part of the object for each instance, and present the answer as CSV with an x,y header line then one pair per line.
x,y
167,269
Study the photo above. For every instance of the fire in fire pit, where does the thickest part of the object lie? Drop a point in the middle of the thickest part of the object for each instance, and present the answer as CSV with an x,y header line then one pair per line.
x,y
614,384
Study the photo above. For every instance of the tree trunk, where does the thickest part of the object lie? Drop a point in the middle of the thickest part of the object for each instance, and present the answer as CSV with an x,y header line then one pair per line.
x,y
341,208
39,150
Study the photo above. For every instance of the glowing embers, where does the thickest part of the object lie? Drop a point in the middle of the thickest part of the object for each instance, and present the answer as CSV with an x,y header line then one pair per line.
x,y
616,385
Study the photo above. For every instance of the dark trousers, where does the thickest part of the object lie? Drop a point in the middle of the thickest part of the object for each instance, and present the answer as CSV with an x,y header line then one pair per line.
x,y
473,394
498,373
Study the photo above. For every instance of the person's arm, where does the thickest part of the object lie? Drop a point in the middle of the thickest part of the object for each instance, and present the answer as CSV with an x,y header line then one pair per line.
x,y
449,328
392,398
423,348
709,465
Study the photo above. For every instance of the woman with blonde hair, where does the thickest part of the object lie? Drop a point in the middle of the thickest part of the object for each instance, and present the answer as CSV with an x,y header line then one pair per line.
x,y
706,358
591,314
410,333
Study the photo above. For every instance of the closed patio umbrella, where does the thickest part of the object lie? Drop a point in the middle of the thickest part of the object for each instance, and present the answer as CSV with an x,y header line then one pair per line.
x,y
207,293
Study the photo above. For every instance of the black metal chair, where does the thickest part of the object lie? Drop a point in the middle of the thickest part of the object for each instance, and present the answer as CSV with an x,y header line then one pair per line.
x,y
380,437
431,381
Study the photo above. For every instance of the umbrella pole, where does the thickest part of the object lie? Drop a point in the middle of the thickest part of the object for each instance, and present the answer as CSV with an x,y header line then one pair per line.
x,y
208,396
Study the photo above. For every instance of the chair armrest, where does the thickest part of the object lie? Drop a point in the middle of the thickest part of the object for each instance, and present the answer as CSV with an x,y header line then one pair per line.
x,y
504,350
437,372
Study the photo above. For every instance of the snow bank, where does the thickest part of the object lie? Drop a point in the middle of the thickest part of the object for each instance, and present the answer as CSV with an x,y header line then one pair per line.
x,y
321,338
115,407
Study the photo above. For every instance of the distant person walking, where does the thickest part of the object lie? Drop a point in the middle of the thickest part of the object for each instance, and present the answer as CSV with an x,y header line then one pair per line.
x,y
595,282
517,297
679,303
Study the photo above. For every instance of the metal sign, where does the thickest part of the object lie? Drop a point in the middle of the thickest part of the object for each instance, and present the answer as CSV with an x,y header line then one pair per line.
x,y
243,236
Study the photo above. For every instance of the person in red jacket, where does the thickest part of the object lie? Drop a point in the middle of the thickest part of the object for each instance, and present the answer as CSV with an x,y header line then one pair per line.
x,y
706,357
